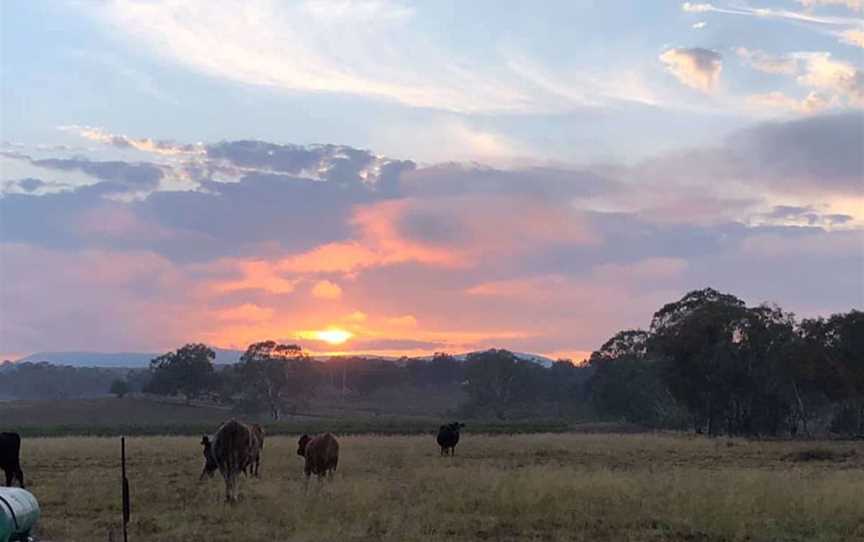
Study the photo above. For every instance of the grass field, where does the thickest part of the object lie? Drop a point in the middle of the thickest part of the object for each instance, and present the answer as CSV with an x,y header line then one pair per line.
x,y
519,487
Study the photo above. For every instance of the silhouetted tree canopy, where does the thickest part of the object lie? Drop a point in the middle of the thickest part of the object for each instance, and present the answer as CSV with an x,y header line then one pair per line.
x,y
187,371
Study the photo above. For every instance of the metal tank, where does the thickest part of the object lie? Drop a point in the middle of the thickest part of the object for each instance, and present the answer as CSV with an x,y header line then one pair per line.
x,y
19,512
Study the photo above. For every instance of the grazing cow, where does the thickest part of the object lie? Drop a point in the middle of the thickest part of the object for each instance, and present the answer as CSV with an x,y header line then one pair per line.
x,y
10,458
232,447
448,437
321,453
210,465
255,464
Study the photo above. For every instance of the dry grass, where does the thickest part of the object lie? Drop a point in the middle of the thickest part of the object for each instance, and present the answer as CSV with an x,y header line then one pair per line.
x,y
525,487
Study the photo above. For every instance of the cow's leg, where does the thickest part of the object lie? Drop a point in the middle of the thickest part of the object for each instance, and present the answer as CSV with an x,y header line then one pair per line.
x,y
453,451
8,477
231,487
21,477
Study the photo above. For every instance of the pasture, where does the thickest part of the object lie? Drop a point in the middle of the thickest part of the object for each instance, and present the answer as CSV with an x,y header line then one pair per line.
x,y
648,487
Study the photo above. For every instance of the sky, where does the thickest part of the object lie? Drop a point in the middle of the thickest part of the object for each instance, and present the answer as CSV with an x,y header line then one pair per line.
x,y
401,178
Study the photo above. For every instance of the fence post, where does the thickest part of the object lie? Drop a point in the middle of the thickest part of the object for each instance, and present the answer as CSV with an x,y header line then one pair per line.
x,y
125,482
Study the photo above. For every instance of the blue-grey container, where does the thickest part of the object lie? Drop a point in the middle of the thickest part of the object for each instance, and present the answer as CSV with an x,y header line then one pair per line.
x,y
19,512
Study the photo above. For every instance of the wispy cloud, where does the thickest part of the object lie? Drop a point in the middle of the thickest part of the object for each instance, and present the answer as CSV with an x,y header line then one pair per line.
x,y
357,48
857,5
768,13
313,46
144,144
849,31
762,61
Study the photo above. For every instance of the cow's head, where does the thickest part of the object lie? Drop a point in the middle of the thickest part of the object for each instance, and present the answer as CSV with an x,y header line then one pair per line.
x,y
456,426
301,445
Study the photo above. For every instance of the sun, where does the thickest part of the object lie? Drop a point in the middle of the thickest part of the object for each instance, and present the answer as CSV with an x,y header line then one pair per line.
x,y
333,335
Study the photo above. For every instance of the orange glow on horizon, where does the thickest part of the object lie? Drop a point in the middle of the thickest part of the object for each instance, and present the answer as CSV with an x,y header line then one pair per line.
x,y
332,336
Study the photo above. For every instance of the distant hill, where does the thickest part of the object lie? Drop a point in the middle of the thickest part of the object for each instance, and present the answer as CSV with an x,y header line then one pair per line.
x,y
115,359
223,356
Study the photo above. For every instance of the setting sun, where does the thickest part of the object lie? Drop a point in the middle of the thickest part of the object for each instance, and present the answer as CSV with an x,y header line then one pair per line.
x,y
333,336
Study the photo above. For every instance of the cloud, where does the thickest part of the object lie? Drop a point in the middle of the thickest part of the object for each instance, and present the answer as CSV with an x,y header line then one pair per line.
x,y
839,77
406,320
812,103
117,176
762,61
332,163
696,67
769,13
447,257
692,7
337,47
355,48
30,184
324,289
146,144
849,31
814,155
256,275
699,25
247,312
807,215
855,5
852,37
834,83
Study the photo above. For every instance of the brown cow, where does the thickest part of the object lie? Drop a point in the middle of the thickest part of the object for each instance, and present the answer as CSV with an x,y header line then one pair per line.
x,y
321,453
210,465
233,447
255,464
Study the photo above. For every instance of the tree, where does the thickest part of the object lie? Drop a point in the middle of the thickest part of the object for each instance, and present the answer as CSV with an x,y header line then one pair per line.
x,y
119,388
628,383
187,371
271,372
836,347
698,335
497,381
441,371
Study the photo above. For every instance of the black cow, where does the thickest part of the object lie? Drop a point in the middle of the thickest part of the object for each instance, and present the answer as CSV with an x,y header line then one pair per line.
x,y
10,457
448,437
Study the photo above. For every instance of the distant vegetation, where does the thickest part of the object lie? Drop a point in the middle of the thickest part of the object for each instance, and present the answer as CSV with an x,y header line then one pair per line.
x,y
707,362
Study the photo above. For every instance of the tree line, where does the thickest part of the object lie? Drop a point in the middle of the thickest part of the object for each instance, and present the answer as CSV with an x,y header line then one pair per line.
x,y
707,362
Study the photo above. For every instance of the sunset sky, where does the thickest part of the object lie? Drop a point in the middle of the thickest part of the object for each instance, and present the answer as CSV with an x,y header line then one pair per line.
x,y
394,177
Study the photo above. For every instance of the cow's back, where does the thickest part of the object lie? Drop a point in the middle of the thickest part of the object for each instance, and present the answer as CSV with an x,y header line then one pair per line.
x,y
10,446
447,437
322,454
232,447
